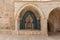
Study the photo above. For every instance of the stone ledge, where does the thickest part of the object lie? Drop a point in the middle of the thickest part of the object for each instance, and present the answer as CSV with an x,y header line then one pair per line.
x,y
8,32
29,32
22,32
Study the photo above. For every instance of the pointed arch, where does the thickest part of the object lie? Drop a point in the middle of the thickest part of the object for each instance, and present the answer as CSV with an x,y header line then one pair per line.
x,y
23,21
31,7
24,9
53,21
35,15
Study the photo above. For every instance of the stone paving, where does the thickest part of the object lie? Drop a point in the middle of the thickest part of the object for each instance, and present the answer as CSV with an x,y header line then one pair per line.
x,y
10,37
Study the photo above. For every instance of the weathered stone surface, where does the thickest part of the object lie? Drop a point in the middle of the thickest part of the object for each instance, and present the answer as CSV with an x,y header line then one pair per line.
x,y
7,14
37,0
10,11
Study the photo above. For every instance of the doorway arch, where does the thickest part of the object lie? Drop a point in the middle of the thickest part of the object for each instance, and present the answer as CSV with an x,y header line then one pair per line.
x,y
34,14
53,22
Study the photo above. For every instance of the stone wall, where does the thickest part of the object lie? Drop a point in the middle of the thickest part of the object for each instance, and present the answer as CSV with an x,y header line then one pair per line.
x,y
37,0
10,10
44,9
6,14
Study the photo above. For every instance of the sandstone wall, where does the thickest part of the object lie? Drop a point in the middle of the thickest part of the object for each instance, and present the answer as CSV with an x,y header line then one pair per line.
x,y
6,14
37,0
10,9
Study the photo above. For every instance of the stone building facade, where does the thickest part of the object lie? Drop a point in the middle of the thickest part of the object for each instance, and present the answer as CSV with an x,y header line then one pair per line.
x,y
12,11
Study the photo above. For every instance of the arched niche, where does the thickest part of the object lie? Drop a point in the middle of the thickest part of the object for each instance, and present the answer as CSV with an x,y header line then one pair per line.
x,y
33,10
53,22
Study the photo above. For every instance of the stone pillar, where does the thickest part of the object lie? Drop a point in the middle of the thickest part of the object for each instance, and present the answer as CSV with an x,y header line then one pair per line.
x,y
44,27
